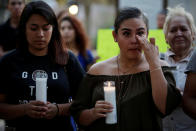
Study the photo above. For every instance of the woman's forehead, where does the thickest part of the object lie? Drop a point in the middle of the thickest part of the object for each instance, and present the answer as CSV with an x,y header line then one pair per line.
x,y
133,23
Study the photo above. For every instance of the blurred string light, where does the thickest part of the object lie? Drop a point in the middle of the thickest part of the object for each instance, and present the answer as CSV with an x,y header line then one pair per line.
x,y
73,7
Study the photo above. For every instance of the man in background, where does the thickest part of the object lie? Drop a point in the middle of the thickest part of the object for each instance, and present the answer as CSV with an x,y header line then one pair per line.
x,y
161,18
8,30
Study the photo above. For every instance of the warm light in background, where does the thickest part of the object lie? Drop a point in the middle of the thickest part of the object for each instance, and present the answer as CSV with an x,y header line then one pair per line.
x,y
73,9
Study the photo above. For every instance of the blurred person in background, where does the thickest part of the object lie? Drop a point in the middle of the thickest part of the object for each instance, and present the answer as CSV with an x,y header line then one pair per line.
x,y
62,14
180,31
189,96
161,18
39,54
76,40
8,30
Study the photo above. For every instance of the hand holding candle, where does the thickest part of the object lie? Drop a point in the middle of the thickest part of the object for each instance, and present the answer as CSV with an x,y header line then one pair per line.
x,y
41,89
110,96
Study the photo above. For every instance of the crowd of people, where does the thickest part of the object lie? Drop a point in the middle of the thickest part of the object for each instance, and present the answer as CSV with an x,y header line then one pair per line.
x,y
151,93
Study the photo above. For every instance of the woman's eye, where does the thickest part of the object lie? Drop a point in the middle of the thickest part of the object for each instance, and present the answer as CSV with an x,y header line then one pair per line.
x,y
33,28
184,29
173,30
140,33
63,27
126,33
46,29
70,28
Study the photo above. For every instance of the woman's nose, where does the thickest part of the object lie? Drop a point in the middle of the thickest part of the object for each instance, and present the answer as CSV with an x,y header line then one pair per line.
x,y
66,31
179,32
40,33
133,39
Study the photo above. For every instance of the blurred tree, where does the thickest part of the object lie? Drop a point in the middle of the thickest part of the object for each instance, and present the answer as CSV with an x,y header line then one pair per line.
x,y
61,2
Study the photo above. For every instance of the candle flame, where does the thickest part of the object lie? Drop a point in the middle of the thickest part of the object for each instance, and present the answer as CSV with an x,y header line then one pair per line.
x,y
109,83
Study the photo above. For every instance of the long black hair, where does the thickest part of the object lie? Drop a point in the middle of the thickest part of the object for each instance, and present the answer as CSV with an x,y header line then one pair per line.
x,y
55,47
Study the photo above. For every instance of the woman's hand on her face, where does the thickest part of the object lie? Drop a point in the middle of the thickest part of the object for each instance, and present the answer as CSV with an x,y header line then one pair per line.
x,y
35,109
151,51
101,108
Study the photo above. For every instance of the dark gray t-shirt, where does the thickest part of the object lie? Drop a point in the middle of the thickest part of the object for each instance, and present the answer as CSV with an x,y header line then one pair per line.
x,y
191,67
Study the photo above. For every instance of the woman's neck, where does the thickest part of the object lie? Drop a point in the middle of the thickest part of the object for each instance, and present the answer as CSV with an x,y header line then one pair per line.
x,y
129,65
72,47
38,52
179,55
14,22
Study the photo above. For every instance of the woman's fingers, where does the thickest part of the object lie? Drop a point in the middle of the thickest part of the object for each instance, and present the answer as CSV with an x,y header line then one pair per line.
x,y
103,105
142,40
36,109
36,114
103,102
151,51
40,108
101,108
152,41
101,115
51,112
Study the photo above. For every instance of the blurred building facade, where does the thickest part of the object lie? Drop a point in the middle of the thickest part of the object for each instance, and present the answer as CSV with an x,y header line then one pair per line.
x,y
96,14
189,5
152,7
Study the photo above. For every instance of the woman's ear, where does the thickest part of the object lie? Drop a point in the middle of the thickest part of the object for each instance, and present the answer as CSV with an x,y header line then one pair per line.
x,y
193,36
166,40
114,36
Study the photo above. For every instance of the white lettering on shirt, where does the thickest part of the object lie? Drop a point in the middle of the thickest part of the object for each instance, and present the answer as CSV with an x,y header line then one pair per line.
x,y
31,89
24,74
54,75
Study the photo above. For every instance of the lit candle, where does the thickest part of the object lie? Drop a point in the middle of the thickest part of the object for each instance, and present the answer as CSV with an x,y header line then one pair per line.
x,y
110,96
41,89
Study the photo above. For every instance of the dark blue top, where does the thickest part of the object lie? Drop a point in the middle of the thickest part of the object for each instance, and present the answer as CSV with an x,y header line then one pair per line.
x,y
85,61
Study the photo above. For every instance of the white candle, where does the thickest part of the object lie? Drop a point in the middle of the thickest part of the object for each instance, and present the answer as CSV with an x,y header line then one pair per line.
x,y
110,96
41,89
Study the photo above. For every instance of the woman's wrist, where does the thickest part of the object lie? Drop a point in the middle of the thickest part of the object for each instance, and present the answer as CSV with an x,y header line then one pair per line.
x,y
154,65
92,114
25,108
57,107
155,69
64,109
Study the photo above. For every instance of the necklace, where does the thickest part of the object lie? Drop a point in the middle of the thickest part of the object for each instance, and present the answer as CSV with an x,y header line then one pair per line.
x,y
122,92
118,66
